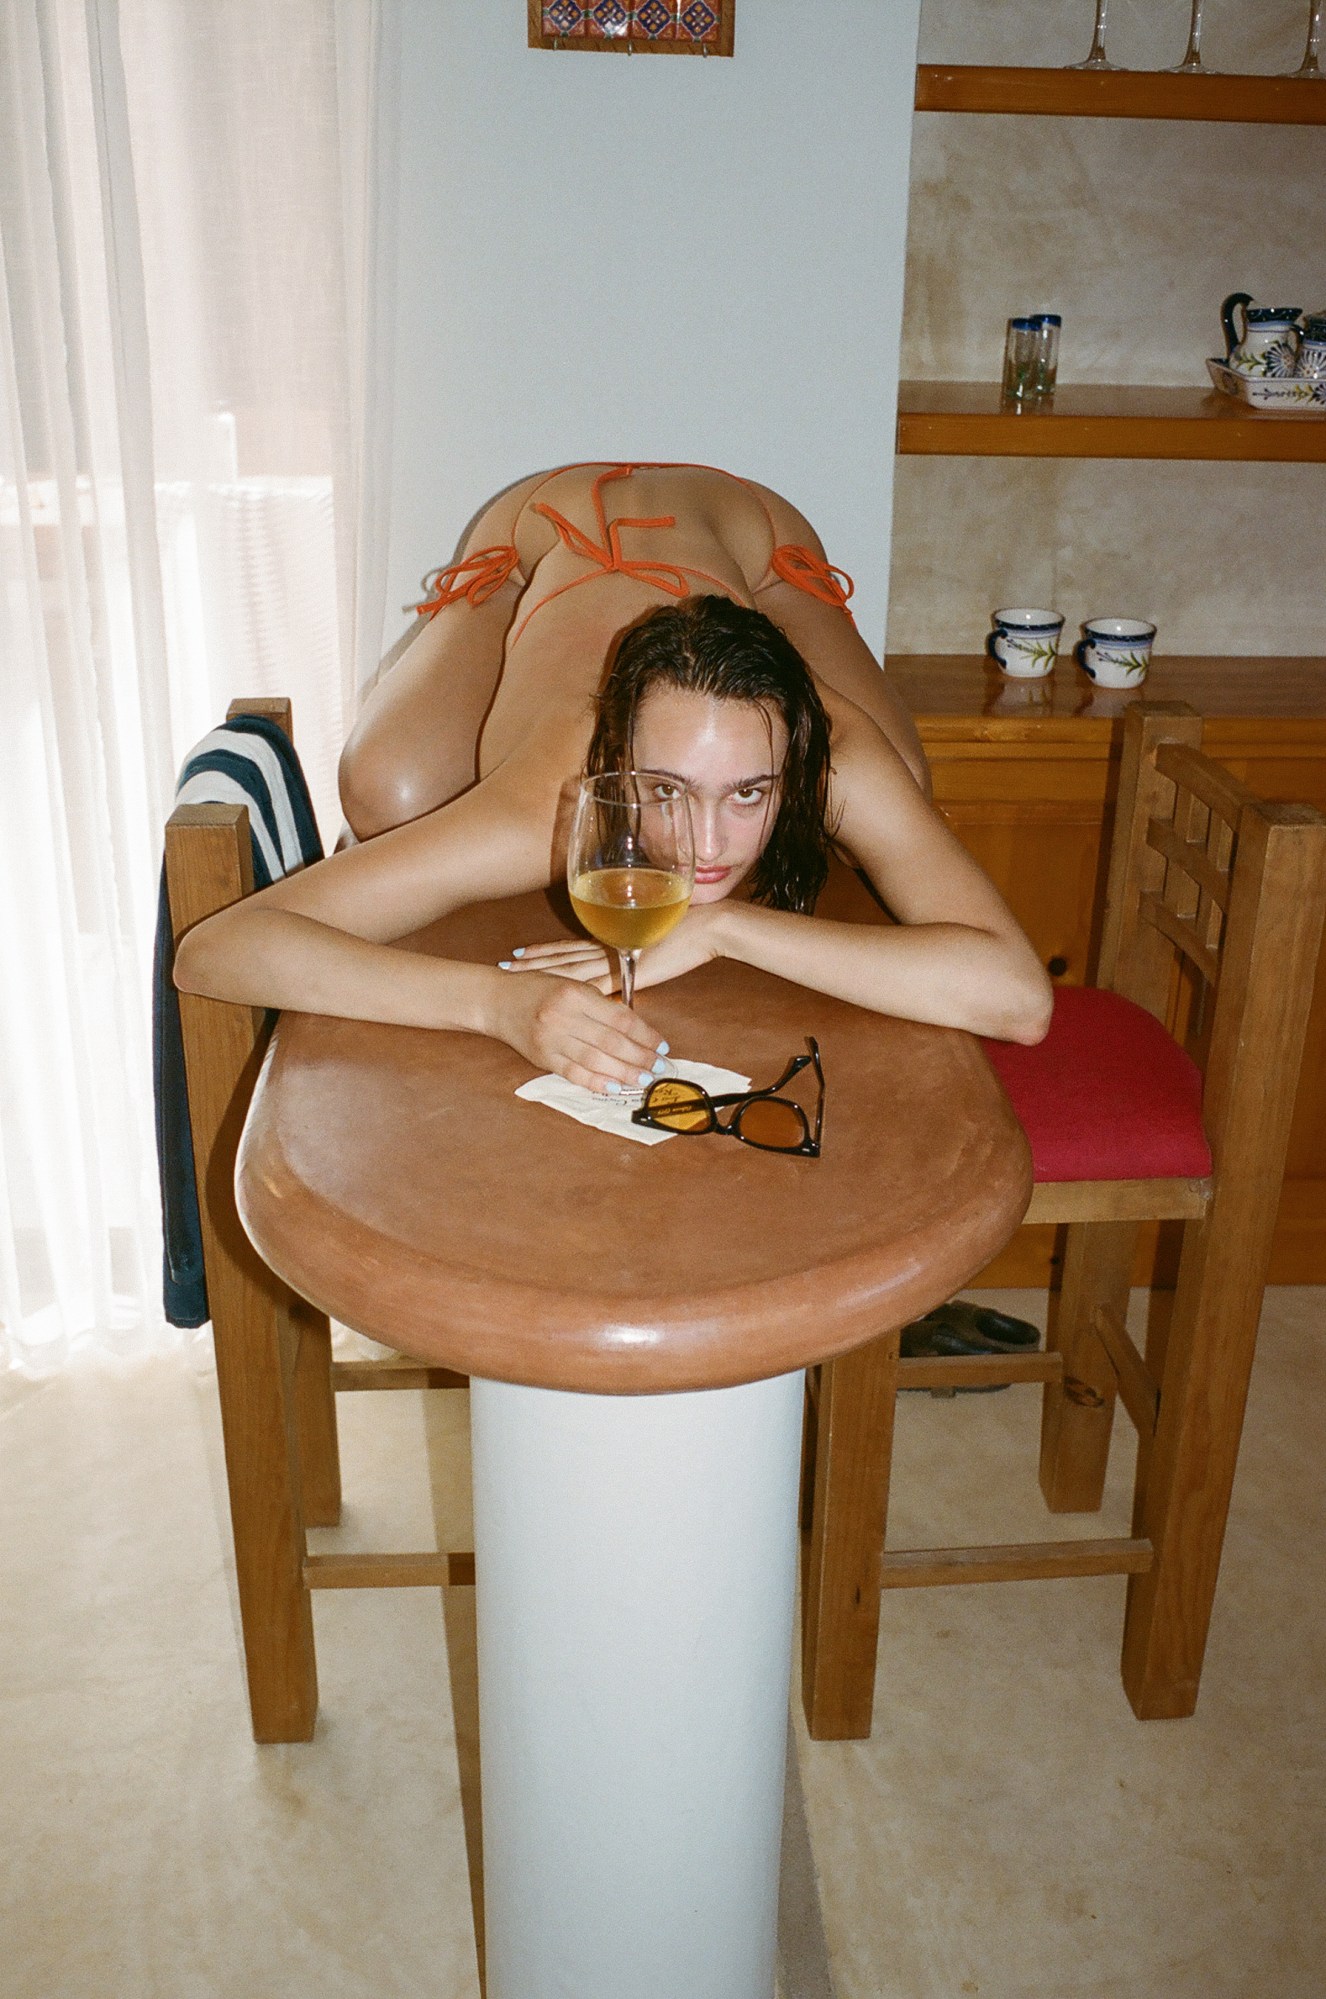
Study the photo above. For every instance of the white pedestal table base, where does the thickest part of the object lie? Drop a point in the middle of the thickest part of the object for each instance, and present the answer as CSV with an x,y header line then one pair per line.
x,y
636,1569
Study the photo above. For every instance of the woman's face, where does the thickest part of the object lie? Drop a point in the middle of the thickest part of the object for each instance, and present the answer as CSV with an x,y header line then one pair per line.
x,y
729,755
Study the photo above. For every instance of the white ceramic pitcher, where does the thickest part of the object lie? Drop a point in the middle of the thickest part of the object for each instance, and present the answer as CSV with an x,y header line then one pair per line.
x,y
1268,342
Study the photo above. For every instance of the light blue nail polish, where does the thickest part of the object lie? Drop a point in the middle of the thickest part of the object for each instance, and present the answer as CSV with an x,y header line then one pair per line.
x,y
504,964
663,1048
613,1089
660,1067
519,951
646,1078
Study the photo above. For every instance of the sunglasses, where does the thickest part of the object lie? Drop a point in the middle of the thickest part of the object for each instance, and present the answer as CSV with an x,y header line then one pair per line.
x,y
758,1117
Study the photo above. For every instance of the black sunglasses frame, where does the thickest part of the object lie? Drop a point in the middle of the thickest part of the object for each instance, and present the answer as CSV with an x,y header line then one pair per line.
x,y
809,1147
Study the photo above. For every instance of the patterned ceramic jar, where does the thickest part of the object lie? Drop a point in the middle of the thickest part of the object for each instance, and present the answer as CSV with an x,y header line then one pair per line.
x,y
1116,651
1268,343
1312,348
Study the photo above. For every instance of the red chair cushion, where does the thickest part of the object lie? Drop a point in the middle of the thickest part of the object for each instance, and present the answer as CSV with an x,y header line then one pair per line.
x,y
1108,1094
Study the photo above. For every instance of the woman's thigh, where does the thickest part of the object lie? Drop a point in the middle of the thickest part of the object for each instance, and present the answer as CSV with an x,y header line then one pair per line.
x,y
415,743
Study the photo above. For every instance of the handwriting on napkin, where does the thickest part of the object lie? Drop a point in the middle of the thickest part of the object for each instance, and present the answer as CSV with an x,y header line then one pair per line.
x,y
613,1114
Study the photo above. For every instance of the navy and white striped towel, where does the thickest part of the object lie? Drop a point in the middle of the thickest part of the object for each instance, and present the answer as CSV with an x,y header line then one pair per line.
x,y
248,761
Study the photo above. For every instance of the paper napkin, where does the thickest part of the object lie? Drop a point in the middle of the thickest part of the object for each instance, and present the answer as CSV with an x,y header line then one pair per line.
x,y
614,1113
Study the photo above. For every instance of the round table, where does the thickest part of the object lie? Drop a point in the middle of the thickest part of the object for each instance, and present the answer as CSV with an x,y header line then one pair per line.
x,y
636,1321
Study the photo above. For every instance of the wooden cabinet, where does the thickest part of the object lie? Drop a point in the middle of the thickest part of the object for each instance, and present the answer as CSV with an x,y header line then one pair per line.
x,y
1025,773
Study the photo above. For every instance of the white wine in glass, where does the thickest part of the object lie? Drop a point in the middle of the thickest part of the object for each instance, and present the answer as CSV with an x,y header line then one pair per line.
x,y
630,867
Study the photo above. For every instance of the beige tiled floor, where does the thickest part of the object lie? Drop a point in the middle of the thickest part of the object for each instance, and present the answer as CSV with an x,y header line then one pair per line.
x,y
1010,1830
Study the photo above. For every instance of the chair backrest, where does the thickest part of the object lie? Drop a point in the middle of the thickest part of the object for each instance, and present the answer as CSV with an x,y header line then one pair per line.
x,y
209,865
1234,887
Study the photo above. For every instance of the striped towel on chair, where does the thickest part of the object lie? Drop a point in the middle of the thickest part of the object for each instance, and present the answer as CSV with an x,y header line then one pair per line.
x,y
248,761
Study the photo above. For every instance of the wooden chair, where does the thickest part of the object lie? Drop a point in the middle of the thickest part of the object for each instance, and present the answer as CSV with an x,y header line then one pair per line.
x,y
276,1378
1233,888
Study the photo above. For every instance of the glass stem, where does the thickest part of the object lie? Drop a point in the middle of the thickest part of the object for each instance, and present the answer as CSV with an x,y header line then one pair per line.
x,y
1310,66
627,960
1097,54
1097,58
1193,55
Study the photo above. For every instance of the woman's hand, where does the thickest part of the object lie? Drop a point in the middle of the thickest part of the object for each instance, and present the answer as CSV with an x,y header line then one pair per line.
x,y
566,1026
692,943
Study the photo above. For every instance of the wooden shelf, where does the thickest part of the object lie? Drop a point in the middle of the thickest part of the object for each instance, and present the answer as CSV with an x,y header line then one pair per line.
x,y
961,698
1097,420
1120,93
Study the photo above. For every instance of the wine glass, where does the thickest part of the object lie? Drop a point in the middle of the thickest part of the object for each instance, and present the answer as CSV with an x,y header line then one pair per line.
x,y
1192,59
630,866
1310,67
1097,58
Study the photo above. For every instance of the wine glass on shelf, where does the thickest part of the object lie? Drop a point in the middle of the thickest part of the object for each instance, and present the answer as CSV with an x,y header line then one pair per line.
x,y
1192,60
1097,59
630,867
1310,66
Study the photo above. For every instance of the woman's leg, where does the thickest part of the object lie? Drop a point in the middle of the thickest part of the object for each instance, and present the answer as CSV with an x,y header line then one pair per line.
x,y
829,642
839,657
415,743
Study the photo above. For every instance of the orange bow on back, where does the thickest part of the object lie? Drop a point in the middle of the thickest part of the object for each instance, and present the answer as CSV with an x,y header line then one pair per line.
x,y
802,568
486,571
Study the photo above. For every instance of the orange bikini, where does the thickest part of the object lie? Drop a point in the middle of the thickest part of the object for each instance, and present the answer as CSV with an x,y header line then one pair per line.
x,y
481,574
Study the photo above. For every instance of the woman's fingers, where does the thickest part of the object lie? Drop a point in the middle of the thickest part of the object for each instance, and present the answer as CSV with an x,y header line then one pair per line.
x,y
529,956
561,958
589,964
613,1053
569,1027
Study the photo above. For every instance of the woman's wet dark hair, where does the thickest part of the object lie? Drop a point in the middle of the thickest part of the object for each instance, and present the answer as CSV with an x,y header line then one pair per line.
x,y
709,645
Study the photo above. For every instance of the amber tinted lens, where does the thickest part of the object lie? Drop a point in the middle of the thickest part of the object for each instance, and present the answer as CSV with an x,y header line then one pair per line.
x,y
771,1122
680,1106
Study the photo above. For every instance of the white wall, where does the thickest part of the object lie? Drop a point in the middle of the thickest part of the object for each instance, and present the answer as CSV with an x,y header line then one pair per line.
x,y
603,256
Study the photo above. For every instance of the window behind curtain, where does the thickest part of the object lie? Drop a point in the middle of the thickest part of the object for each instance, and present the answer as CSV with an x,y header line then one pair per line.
x,y
185,198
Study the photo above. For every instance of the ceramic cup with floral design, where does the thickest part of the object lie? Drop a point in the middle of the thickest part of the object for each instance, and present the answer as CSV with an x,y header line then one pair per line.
x,y
1115,652
1023,644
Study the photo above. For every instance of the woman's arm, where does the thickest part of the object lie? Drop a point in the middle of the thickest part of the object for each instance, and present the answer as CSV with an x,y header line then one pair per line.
x,y
955,957
322,941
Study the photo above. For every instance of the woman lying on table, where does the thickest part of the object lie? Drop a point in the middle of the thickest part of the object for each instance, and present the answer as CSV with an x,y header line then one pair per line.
x,y
733,664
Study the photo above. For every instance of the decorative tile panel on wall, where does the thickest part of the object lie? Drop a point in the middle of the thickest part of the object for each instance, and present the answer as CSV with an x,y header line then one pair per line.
x,y
636,27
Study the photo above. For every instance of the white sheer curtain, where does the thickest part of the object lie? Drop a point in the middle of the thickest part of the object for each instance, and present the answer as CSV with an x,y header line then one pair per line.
x,y
189,510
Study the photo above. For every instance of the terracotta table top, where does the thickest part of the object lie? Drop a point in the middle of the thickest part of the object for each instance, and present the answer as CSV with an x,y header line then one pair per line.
x,y
391,1176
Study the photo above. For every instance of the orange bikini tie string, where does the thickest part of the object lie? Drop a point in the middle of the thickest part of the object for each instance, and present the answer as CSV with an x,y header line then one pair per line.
x,y
607,554
802,568
484,573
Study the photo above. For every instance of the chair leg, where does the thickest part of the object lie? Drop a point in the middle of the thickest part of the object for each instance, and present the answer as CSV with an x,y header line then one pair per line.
x,y
1186,1476
315,1417
255,1365
1077,1416
843,1565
